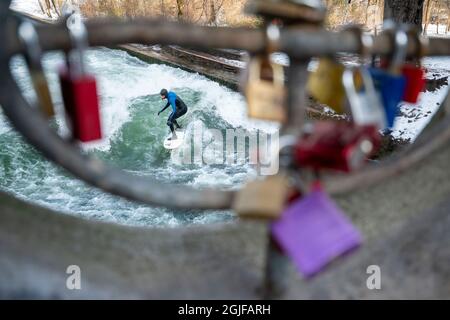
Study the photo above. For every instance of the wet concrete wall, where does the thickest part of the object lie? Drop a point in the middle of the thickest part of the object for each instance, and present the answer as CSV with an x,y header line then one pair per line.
x,y
405,222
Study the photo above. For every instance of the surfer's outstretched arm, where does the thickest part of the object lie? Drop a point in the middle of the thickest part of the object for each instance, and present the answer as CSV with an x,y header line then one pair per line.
x,y
163,109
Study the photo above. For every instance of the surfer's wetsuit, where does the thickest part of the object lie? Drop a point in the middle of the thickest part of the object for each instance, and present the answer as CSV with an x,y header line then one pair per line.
x,y
179,109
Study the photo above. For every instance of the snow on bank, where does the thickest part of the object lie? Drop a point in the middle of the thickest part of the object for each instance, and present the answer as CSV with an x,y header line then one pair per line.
x,y
435,31
28,6
414,117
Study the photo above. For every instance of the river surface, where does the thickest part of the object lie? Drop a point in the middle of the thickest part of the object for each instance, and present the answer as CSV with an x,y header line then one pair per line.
x,y
133,139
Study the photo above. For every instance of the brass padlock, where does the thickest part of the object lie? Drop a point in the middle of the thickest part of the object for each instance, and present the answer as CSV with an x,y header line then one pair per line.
x,y
263,199
325,84
33,55
266,98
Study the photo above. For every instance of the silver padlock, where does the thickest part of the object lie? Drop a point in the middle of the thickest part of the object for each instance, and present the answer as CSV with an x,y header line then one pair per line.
x,y
365,103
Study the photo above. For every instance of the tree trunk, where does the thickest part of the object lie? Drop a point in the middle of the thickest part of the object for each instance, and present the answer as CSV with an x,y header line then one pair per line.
x,y
448,17
404,11
163,8
180,4
427,15
367,13
438,17
212,13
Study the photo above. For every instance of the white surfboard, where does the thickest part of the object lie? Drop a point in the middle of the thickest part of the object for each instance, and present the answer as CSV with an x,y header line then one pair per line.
x,y
173,144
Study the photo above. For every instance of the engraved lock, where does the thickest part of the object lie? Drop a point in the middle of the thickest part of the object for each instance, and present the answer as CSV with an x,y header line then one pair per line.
x,y
79,89
325,84
263,199
363,99
413,71
266,98
33,56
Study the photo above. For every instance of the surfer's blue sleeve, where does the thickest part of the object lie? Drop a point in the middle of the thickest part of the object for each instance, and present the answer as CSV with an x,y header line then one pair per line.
x,y
172,97
163,109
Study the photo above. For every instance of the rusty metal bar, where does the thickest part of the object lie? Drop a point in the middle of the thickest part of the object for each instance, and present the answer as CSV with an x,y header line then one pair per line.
x,y
298,44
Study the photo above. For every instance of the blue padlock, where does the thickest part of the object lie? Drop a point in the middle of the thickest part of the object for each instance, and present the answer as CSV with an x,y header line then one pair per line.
x,y
391,89
390,83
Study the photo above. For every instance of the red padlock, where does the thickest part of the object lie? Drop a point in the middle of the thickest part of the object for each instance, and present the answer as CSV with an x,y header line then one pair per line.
x,y
340,146
415,82
413,71
79,89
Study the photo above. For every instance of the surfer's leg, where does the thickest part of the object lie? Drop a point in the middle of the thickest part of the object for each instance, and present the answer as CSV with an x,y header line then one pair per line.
x,y
170,123
177,115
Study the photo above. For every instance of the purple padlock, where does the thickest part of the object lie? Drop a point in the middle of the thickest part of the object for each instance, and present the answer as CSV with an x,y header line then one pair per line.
x,y
313,231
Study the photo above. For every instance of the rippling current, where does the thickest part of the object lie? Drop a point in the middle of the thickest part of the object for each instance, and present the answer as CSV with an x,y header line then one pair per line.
x,y
133,132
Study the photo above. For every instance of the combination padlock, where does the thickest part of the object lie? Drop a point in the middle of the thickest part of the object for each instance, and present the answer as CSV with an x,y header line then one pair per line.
x,y
262,199
390,83
266,97
362,97
325,84
413,71
79,89
33,56
340,146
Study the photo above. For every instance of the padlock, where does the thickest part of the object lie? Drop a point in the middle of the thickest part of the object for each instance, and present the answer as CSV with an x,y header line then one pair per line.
x,y
413,71
363,99
340,146
415,82
313,231
262,199
266,98
79,89
33,56
391,83
325,84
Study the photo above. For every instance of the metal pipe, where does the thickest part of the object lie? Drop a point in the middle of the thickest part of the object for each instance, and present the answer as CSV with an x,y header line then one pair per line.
x,y
298,44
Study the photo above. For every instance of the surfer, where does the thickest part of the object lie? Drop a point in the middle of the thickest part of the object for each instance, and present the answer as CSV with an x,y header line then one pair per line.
x,y
179,109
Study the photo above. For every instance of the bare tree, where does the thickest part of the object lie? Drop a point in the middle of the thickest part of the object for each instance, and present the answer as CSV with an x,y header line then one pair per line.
x,y
180,8
428,13
404,11
448,17
214,7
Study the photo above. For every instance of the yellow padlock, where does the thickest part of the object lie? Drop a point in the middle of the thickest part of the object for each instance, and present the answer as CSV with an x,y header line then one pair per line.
x,y
263,199
33,56
325,84
266,98
42,92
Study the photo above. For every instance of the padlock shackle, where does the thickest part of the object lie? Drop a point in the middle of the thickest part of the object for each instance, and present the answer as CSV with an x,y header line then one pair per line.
x,y
421,43
399,39
348,80
255,71
273,35
401,49
30,38
365,40
79,37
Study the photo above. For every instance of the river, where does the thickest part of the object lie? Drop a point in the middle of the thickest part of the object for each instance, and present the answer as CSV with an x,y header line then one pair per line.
x,y
130,101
